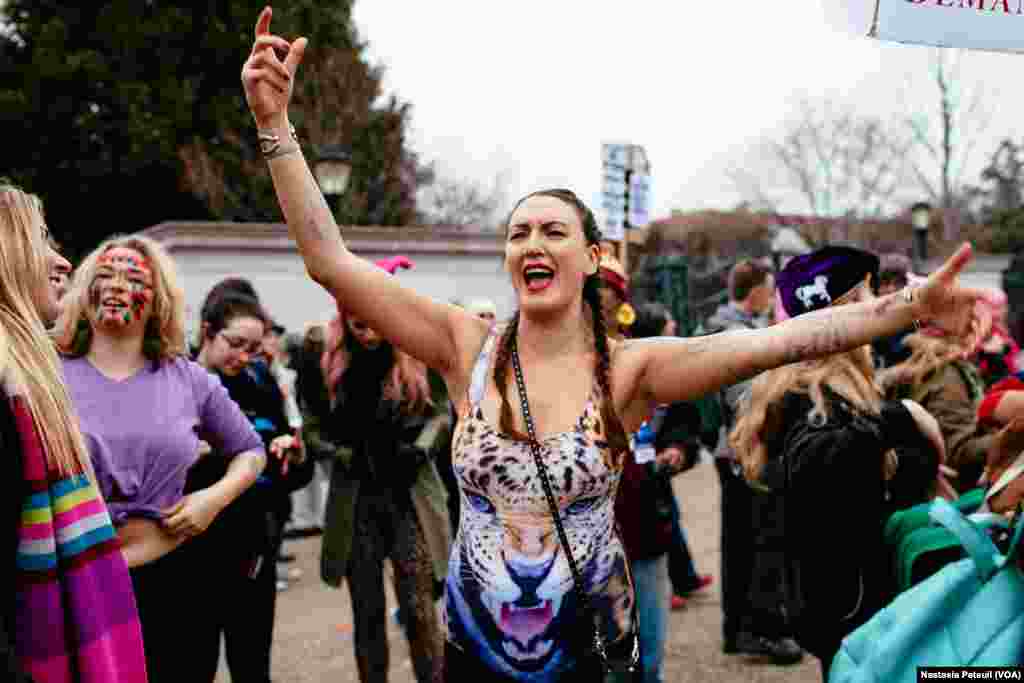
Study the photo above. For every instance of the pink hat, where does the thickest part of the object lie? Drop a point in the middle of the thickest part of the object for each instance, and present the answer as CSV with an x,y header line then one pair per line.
x,y
389,265
394,263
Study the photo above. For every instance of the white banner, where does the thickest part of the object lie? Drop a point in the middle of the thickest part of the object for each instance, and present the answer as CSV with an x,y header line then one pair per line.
x,y
978,24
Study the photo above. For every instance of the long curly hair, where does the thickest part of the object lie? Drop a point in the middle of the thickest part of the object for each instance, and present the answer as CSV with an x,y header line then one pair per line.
x,y
615,432
850,374
406,383
28,359
165,331
929,352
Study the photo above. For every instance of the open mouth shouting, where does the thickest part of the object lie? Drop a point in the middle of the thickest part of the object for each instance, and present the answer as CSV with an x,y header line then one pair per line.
x,y
538,277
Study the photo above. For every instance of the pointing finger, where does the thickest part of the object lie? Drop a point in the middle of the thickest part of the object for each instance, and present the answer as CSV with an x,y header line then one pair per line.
x,y
263,23
955,263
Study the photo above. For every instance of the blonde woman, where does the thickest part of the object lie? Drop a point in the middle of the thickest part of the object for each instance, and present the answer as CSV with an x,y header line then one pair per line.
x,y
937,376
511,610
819,434
71,616
144,408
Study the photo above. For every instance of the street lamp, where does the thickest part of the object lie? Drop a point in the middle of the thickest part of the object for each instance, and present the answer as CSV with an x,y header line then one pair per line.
x,y
333,168
920,218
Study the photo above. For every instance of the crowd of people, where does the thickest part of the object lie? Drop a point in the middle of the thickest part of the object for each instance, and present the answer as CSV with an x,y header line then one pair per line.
x,y
515,475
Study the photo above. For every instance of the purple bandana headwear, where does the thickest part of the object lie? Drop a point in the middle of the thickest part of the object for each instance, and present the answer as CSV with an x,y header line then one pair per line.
x,y
815,280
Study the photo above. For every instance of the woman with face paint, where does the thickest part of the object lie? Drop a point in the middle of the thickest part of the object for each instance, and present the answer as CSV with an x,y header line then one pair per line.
x,y
511,609
143,408
70,616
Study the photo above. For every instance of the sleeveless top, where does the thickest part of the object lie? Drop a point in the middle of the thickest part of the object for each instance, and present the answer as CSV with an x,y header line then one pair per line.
x,y
509,599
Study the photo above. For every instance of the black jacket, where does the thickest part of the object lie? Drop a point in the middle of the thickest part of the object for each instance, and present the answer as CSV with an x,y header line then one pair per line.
x,y
381,433
835,504
12,496
681,427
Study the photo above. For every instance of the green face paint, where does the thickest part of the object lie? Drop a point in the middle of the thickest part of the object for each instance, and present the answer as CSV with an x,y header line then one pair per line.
x,y
127,317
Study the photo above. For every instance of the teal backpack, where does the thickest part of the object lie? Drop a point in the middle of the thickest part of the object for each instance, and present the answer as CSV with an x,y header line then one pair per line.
x,y
969,613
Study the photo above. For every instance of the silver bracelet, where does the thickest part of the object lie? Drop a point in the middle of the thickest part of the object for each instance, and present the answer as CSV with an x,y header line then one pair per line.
x,y
910,296
270,143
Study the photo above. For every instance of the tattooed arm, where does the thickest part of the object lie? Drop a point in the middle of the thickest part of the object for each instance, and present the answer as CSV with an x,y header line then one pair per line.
x,y
665,370
434,332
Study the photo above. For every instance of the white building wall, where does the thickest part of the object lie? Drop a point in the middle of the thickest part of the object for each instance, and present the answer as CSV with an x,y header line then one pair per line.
x,y
294,300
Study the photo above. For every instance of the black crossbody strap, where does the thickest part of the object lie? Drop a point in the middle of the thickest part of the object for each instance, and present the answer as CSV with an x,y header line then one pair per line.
x,y
542,471
577,578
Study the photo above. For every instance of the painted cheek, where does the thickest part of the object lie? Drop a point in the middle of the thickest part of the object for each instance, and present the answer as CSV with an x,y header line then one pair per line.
x,y
140,299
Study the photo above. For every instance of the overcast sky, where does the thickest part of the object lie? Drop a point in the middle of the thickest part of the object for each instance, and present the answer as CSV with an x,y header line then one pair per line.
x,y
533,88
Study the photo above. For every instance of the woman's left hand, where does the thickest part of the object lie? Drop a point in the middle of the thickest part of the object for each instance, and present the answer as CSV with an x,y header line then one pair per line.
x,y
287,449
957,310
193,514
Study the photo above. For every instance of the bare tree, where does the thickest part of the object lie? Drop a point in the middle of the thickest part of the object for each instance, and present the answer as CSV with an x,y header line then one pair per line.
x,y
945,137
839,161
448,200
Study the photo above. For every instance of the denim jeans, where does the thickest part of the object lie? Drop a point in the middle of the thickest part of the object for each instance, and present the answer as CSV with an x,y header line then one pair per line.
x,y
680,563
653,598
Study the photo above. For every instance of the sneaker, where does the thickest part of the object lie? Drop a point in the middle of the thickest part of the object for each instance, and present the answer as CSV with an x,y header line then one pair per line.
x,y
703,581
782,651
678,602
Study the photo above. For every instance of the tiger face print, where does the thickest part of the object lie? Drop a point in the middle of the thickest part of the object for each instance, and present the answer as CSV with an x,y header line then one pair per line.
x,y
510,596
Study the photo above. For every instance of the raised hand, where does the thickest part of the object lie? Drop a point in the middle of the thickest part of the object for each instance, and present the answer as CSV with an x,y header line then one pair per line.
x,y
268,75
957,310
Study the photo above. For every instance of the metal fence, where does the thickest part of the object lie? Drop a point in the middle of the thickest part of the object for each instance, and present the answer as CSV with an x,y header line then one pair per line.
x,y
692,294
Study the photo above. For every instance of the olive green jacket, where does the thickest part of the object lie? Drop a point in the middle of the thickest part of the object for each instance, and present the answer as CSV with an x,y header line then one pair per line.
x,y
427,493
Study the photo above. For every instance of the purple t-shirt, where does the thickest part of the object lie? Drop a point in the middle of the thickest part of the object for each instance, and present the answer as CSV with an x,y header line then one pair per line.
x,y
143,432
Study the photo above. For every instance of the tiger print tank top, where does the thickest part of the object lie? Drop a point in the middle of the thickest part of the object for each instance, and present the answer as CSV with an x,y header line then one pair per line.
x,y
509,599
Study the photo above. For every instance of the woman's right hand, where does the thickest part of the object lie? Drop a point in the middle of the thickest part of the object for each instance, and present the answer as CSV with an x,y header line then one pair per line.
x,y
1004,449
268,80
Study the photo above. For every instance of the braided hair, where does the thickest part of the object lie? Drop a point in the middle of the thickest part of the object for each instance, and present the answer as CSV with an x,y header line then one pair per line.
x,y
615,433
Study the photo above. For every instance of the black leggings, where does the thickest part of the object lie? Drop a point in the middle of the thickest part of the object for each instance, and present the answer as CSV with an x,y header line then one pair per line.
x,y
194,595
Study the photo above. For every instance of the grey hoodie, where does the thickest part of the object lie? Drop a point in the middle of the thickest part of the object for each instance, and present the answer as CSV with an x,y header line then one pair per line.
x,y
730,317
